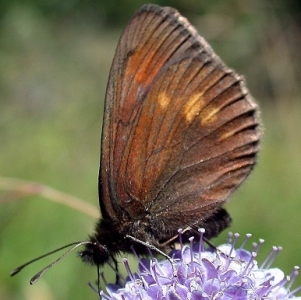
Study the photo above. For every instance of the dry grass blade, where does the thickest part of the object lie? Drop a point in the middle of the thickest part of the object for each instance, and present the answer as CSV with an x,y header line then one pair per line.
x,y
18,188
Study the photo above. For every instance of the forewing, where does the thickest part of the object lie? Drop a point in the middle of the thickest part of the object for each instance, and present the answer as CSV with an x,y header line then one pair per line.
x,y
180,129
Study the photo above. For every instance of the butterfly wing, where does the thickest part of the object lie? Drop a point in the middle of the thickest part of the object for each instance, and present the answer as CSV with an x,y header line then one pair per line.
x,y
180,129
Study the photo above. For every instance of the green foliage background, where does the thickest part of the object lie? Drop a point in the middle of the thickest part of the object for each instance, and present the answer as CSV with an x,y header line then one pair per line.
x,y
54,63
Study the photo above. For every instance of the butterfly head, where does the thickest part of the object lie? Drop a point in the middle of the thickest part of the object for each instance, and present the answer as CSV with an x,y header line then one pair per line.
x,y
95,253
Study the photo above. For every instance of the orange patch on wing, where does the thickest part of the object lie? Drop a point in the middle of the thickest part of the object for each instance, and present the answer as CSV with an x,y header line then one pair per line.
x,y
139,67
163,100
209,116
227,135
193,106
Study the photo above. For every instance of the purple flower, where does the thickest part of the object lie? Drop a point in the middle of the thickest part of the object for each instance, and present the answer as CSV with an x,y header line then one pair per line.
x,y
196,273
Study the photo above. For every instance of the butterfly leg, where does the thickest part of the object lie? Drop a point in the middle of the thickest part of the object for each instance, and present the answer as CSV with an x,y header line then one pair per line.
x,y
152,247
117,278
148,245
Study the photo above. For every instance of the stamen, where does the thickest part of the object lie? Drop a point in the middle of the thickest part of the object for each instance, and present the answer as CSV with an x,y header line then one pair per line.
x,y
259,245
293,292
254,247
279,284
201,241
293,276
138,259
269,257
128,269
191,247
248,236
236,236
180,232
229,239
154,273
250,264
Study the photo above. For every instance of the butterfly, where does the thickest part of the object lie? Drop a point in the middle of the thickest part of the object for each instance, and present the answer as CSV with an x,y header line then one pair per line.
x,y
180,134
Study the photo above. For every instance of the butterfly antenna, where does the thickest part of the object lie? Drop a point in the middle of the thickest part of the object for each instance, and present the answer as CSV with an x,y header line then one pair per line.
x,y
35,278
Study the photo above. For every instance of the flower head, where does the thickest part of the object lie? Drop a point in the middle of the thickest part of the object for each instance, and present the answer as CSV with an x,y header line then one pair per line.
x,y
196,273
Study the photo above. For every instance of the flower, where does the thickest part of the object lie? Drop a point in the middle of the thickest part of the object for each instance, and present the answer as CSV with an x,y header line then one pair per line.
x,y
196,273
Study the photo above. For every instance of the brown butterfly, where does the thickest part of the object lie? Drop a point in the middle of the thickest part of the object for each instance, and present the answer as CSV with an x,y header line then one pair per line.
x,y
180,134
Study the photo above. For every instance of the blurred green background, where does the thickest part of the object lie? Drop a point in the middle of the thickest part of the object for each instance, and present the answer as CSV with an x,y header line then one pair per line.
x,y
54,63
